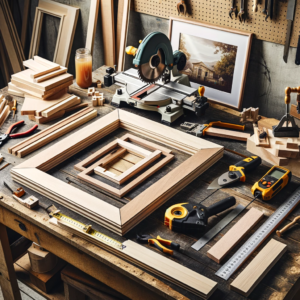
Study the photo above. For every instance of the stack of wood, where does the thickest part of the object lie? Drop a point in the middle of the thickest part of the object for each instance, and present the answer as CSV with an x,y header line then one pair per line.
x,y
250,115
11,51
4,110
45,88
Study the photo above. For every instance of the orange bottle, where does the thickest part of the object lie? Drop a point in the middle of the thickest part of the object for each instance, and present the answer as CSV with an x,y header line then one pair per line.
x,y
83,65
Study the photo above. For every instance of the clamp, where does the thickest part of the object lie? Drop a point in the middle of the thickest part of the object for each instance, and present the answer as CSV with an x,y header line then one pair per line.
x,y
203,128
7,135
158,243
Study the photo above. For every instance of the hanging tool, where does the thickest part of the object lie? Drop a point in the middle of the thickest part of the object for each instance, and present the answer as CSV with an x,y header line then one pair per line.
x,y
290,17
6,136
263,232
255,5
19,192
185,217
158,242
181,7
236,172
233,9
285,228
297,60
283,129
242,14
271,183
270,10
14,108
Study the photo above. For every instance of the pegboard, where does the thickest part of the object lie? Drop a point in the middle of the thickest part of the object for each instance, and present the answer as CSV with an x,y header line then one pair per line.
x,y
217,12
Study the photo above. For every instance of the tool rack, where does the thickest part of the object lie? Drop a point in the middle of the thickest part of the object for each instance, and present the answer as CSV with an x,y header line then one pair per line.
x,y
130,280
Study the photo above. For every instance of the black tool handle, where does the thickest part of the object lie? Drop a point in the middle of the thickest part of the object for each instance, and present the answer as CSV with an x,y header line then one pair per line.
x,y
297,61
220,206
249,163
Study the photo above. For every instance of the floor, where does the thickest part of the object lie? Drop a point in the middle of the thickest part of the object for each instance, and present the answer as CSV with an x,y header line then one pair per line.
x,y
26,293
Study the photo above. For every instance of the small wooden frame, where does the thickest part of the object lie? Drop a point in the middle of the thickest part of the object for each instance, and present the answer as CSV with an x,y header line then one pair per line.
x,y
68,19
32,172
158,150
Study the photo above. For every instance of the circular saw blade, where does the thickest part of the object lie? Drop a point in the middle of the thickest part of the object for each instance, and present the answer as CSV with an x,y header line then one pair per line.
x,y
150,72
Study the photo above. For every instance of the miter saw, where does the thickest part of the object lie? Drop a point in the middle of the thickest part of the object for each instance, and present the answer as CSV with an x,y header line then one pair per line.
x,y
156,84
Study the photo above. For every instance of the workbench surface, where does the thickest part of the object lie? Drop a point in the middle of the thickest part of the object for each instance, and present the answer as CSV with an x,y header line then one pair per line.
x,y
282,282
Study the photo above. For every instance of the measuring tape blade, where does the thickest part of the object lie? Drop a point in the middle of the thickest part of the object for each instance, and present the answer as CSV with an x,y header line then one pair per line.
x,y
78,226
259,236
216,229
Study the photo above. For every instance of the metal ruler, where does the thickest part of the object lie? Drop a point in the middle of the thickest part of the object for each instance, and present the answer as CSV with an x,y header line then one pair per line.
x,y
209,235
88,230
259,236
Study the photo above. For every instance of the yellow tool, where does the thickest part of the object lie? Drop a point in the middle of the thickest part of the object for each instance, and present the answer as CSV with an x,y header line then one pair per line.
x,y
14,108
271,183
222,125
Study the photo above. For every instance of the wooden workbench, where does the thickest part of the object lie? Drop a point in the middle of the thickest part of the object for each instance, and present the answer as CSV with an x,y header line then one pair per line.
x,y
282,282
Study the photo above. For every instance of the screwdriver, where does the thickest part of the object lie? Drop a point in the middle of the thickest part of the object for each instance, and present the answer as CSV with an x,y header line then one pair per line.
x,y
14,108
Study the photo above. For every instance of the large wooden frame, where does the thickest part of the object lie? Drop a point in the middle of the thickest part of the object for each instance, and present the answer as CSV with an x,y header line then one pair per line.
x,y
31,173
68,19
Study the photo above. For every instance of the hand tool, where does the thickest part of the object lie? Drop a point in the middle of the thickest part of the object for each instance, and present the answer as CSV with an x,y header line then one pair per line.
x,y
297,60
242,14
181,7
158,242
270,10
255,5
6,136
185,217
263,232
236,172
285,228
287,126
271,183
84,231
14,108
233,9
19,192
290,17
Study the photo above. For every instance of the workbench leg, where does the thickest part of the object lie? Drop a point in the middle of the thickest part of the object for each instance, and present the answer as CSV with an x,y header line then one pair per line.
x,y
72,294
8,279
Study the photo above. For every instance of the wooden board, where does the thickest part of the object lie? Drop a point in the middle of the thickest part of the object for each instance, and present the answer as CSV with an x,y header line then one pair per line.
x,y
92,25
258,268
229,134
223,247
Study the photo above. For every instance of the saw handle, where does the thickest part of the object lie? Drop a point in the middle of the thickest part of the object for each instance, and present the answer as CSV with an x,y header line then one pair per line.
x,y
220,206
249,163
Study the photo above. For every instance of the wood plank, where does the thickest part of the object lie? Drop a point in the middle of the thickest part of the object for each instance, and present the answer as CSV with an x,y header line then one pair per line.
x,y
62,70
44,72
223,247
108,31
119,28
25,15
92,25
263,262
229,134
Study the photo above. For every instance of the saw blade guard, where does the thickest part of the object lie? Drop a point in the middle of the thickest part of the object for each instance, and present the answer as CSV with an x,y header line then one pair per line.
x,y
151,45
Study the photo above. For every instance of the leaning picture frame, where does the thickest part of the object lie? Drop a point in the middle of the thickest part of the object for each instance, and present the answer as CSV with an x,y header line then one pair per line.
x,y
217,58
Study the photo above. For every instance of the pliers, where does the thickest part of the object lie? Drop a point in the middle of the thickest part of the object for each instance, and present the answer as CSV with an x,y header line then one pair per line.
x,y
7,135
233,9
158,243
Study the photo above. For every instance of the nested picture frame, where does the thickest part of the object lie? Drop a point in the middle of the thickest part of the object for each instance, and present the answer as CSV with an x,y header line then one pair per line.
x,y
68,16
217,58
32,172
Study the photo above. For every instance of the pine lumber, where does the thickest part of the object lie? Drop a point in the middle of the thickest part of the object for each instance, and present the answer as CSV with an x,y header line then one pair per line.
x,y
4,114
230,134
34,65
119,28
92,25
2,104
60,71
268,123
263,262
45,72
47,63
12,89
223,247
69,102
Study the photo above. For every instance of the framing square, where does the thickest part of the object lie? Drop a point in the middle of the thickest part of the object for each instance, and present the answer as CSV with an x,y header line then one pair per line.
x,y
32,172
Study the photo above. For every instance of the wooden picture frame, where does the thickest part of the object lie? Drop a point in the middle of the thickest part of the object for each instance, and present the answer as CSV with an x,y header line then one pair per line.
x,y
68,20
32,172
204,67
86,171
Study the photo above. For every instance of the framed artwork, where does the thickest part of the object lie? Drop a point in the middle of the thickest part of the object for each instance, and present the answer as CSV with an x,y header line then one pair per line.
x,y
217,58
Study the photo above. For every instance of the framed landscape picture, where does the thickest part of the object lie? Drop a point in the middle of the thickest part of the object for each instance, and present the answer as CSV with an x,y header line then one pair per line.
x,y
217,58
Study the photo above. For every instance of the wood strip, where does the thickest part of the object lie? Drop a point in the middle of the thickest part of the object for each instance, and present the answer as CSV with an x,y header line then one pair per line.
x,y
108,31
263,262
92,25
46,71
4,115
62,70
223,247
229,134
119,28
25,22
124,33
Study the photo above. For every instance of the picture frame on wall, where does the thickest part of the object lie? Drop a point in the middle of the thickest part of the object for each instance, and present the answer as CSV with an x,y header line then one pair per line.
x,y
217,58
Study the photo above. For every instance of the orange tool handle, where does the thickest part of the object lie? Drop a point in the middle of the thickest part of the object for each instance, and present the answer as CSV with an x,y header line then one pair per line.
x,y
168,243
159,246
226,125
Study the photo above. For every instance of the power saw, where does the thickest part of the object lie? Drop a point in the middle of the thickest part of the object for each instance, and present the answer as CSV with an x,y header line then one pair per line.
x,y
155,57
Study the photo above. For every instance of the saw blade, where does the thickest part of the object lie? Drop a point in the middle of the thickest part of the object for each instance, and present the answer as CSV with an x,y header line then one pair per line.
x,y
151,71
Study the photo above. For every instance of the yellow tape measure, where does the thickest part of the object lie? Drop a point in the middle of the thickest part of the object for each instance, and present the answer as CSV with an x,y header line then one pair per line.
x,y
88,230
